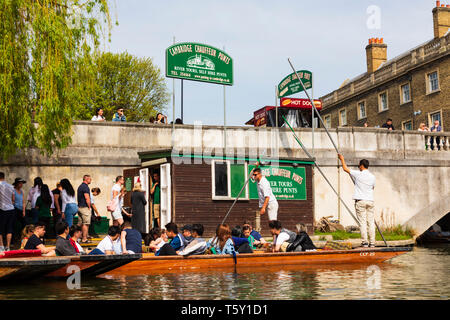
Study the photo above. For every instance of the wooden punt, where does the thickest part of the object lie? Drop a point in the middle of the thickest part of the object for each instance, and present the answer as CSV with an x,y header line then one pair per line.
x,y
151,264
93,265
19,269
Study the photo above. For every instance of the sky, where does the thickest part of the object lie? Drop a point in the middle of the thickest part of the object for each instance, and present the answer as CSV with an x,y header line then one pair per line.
x,y
325,37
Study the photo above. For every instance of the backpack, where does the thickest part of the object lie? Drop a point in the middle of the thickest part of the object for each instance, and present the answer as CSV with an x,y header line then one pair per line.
x,y
112,205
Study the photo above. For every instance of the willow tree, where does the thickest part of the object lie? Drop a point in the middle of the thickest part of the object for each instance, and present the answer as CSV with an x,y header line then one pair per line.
x,y
43,44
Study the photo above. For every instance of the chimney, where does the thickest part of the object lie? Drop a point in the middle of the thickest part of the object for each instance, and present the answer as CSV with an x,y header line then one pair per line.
x,y
441,19
376,52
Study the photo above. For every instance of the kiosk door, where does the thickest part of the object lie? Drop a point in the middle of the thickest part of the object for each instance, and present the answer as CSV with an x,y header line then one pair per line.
x,y
166,196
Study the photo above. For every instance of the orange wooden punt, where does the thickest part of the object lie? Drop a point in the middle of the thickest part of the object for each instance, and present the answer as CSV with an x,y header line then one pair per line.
x,y
92,265
151,264
19,269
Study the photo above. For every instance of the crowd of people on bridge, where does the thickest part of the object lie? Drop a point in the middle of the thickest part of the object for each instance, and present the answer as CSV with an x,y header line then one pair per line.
x,y
119,116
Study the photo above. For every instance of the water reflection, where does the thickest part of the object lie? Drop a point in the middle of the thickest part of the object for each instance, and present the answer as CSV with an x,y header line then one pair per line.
x,y
421,274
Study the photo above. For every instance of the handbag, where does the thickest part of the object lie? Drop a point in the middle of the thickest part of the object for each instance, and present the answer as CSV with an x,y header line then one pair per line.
x,y
112,205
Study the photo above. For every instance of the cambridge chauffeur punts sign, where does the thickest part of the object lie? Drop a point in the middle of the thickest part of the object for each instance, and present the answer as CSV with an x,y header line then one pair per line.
x,y
287,182
199,62
290,85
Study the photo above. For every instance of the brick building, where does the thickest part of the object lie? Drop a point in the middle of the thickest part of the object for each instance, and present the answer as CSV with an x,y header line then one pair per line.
x,y
411,88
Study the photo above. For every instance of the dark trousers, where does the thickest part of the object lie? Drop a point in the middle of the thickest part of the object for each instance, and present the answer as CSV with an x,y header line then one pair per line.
x,y
7,219
438,142
50,232
20,222
167,250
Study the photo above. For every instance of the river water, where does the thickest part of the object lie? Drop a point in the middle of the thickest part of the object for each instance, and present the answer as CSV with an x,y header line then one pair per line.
x,y
420,274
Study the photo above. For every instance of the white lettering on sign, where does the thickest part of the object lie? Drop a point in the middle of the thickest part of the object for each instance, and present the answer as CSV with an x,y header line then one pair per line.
x,y
224,58
205,50
180,49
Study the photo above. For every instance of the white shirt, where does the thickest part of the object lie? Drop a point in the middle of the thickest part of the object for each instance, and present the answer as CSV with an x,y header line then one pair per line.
x,y
110,245
282,237
66,199
98,118
264,190
364,183
116,187
33,194
80,248
6,193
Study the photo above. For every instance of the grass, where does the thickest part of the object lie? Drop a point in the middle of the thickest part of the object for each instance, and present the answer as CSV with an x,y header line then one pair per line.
x,y
390,234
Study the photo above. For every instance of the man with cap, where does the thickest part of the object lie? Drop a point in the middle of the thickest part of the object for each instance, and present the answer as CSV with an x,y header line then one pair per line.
x,y
198,244
19,204
187,234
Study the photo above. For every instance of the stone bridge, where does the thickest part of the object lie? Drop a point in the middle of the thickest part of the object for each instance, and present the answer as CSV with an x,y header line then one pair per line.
x,y
413,181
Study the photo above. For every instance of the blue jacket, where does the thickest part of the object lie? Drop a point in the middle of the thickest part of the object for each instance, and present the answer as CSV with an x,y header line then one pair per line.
x,y
116,117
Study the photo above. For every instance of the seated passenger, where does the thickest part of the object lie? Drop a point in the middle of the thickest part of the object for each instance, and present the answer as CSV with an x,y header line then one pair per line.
x,y
63,245
241,243
131,239
246,230
187,234
177,243
197,245
159,238
75,234
27,232
35,241
110,244
302,240
255,234
283,237
222,243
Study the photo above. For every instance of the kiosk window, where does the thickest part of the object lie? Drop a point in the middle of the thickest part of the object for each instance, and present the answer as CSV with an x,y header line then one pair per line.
x,y
228,180
221,178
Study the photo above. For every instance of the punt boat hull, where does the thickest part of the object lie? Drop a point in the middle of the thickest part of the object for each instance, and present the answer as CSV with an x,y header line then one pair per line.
x,y
150,264
20,269
92,265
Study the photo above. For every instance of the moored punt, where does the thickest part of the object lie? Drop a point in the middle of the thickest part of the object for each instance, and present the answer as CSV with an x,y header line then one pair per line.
x,y
19,269
93,265
150,264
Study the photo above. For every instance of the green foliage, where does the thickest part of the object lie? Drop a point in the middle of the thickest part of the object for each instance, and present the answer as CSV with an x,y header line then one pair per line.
x,y
42,45
114,81
390,234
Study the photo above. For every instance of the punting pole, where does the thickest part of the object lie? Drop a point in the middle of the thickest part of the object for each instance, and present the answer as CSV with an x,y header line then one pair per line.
x,y
326,179
329,136
238,196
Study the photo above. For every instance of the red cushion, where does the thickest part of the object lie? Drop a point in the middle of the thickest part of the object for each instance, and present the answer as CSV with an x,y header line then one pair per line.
x,y
20,253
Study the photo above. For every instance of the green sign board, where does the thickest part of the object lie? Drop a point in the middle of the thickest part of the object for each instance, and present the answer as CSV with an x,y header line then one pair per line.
x,y
128,184
199,62
288,183
291,85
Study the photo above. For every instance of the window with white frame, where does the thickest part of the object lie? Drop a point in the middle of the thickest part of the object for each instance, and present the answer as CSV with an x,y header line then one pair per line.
x,y
407,125
362,110
343,117
433,82
382,101
327,121
227,179
435,116
405,93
